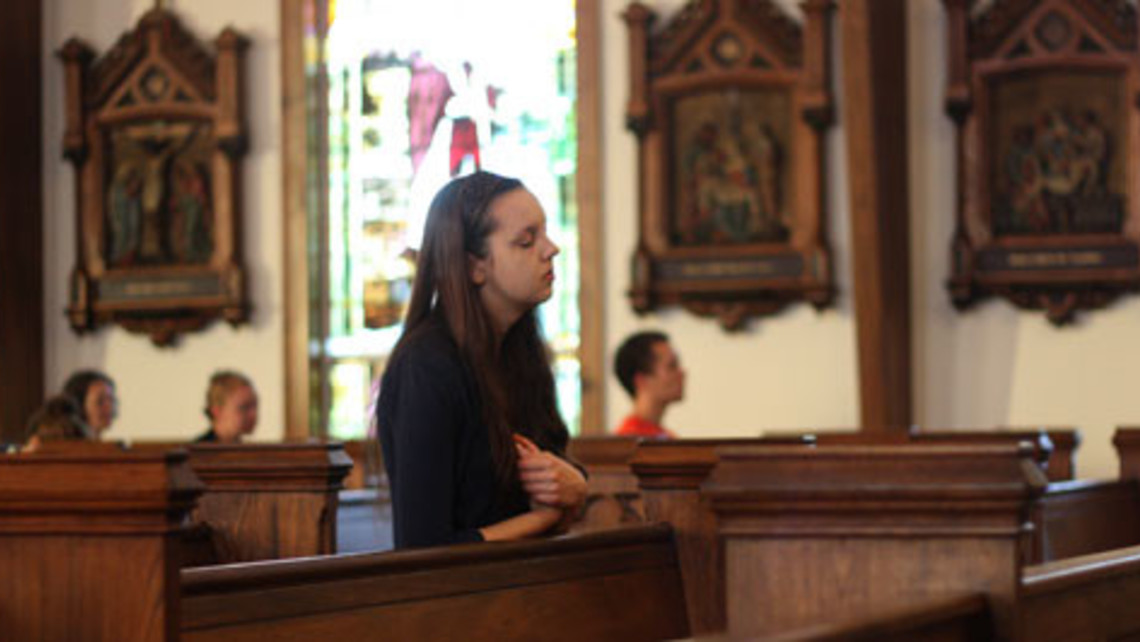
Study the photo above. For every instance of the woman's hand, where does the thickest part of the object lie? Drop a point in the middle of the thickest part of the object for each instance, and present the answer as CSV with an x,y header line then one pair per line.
x,y
547,478
538,520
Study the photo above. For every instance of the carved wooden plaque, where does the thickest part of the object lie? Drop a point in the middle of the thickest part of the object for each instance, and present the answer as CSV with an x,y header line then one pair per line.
x,y
1044,95
730,100
154,129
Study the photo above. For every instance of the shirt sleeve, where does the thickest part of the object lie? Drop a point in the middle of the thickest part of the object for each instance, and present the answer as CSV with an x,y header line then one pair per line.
x,y
421,419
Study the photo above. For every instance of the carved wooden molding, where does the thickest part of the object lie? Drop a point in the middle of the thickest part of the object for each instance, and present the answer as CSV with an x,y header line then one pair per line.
x,y
730,100
155,131
1044,97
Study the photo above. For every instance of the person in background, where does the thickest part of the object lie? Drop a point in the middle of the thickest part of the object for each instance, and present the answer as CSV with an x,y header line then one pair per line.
x,y
468,416
58,419
650,371
94,393
231,407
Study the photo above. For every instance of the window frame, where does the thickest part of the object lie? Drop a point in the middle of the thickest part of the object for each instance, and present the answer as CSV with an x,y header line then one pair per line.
x,y
304,97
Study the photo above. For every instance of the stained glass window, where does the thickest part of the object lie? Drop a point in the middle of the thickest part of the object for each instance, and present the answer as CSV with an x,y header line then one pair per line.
x,y
419,93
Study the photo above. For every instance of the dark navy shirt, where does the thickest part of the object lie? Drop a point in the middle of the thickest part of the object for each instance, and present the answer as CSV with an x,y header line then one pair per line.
x,y
437,449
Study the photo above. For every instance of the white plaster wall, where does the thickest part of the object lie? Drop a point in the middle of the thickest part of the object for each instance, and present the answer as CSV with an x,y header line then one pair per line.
x,y
794,370
996,365
991,366
161,390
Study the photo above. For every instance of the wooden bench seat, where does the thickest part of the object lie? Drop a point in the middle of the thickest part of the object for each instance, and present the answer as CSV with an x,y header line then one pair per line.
x,y
260,501
91,542
964,618
621,585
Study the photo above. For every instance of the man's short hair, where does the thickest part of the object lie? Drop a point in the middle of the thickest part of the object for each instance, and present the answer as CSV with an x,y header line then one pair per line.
x,y
636,356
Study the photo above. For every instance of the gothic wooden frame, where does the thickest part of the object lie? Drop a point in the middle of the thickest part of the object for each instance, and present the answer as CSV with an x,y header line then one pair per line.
x,y
156,91
730,52
1045,245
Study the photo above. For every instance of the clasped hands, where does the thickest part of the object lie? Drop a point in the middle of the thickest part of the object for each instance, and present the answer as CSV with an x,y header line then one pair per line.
x,y
556,488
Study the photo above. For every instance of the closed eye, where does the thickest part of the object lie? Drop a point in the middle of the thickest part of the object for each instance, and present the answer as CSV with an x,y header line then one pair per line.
x,y
527,238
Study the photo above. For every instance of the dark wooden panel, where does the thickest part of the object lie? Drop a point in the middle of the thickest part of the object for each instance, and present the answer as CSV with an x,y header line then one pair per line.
x,y
861,528
1092,597
612,497
875,117
1087,516
270,501
89,545
955,619
1127,444
21,217
262,501
618,585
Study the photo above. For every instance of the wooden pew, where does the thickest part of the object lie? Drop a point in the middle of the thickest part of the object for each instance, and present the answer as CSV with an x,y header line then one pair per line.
x,y
261,501
1062,464
1092,597
1086,516
621,585
367,464
1053,448
964,618
1127,444
1089,516
270,501
90,542
612,496
860,527
90,545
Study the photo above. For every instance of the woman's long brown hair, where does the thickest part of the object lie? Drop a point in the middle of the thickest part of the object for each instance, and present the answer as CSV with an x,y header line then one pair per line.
x,y
514,379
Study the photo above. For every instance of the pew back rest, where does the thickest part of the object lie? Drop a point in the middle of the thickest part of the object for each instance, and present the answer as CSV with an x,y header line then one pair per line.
x,y
1091,597
1087,516
612,496
620,585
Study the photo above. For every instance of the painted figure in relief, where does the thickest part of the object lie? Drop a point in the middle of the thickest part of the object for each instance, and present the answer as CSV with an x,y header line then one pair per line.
x,y
734,185
191,216
124,214
1055,177
158,200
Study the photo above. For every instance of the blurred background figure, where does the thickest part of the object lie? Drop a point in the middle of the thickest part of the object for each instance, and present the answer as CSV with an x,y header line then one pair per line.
x,y
94,393
57,420
650,371
231,407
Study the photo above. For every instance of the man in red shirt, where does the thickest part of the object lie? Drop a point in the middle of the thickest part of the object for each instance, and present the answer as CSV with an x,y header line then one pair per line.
x,y
651,373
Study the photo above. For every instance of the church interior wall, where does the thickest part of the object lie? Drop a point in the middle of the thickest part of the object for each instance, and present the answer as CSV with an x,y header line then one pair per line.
x,y
993,365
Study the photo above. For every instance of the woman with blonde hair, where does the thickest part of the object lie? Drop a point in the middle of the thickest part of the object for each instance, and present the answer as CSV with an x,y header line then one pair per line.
x,y
231,407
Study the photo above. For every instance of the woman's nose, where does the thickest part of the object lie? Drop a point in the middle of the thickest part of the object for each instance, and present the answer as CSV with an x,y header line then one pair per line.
x,y
553,250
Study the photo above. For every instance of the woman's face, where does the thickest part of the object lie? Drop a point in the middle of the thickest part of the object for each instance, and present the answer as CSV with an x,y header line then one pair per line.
x,y
236,416
100,406
518,271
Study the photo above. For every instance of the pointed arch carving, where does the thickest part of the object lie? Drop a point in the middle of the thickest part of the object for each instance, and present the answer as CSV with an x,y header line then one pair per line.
x,y
1044,97
155,131
730,100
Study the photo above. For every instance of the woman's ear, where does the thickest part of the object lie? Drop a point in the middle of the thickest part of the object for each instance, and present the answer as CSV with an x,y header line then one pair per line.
x,y
477,269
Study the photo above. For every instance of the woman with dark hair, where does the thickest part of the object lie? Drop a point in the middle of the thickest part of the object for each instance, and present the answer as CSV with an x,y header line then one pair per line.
x,y
58,419
94,393
472,439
